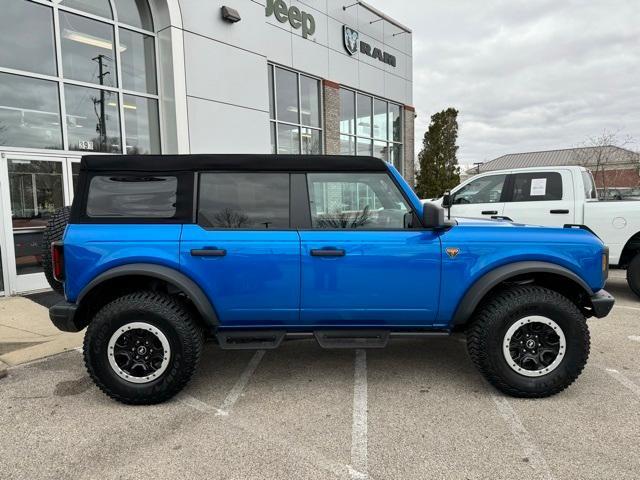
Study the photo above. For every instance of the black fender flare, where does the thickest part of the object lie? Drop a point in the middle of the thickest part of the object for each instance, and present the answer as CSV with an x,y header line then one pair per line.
x,y
484,284
167,274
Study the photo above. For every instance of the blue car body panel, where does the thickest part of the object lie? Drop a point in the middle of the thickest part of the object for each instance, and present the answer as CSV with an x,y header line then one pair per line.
x,y
257,282
91,249
385,278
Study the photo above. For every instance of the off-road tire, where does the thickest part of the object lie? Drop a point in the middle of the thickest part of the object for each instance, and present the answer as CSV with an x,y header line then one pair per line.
x,y
500,312
164,312
633,274
54,232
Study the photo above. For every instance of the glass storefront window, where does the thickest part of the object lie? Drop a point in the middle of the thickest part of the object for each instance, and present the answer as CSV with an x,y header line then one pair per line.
x,y
141,124
288,138
29,112
378,127
363,115
311,141
93,120
100,8
26,36
135,13
87,50
309,105
138,57
294,112
36,192
287,96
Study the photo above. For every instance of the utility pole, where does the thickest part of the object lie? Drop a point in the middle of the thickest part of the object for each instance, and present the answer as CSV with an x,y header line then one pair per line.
x,y
477,164
101,128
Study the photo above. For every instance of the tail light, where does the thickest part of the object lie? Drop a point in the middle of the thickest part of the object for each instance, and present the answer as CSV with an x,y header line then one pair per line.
x,y
57,260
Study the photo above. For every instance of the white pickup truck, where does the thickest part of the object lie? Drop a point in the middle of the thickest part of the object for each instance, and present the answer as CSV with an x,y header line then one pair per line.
x,y
554,196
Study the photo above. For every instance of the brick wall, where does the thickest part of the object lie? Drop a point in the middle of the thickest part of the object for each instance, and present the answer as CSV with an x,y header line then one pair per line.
x,y
408,166
629,177
331,99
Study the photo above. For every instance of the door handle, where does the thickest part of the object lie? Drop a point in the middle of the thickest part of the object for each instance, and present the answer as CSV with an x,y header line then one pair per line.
x,y
489,212
208,252
559,211
327,252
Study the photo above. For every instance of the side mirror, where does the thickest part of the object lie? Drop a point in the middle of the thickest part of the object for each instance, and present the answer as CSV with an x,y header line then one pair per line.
x,y
432,216
447,200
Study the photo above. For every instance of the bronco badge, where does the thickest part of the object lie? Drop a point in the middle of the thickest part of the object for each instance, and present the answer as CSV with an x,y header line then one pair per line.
x,y
452,251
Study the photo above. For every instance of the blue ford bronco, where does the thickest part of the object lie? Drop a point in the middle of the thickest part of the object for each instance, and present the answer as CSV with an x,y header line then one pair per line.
x,y
160,252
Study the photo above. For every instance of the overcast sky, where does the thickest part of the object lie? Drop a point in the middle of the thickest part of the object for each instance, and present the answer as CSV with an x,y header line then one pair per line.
x,y
525,75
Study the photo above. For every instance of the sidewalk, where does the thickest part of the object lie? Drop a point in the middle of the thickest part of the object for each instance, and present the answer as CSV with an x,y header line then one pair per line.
x,y
27,334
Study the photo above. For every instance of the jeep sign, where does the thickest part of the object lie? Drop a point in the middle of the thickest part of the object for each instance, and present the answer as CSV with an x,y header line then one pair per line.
x,y
296,17
350,39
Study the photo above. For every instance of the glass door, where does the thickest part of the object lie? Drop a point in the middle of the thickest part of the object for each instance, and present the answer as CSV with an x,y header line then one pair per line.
x,y
36,187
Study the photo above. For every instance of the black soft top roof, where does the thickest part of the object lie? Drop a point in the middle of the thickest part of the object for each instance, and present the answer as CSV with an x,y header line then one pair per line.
x,y
231,162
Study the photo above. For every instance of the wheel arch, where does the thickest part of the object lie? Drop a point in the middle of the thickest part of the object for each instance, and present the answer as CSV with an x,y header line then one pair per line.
x,y
110,283
630,250
546,274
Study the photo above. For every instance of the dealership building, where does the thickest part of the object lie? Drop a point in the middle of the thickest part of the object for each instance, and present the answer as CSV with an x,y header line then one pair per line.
x,y
186,76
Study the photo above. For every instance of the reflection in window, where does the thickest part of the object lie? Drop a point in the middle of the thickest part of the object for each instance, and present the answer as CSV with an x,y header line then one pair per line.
x,y
26,36
135,13
378,127
481,190
87,50
141,124
137,54
294,130
288,138
29,112
96,7
93,121
354,200
129,196
35,189
287,95
244,200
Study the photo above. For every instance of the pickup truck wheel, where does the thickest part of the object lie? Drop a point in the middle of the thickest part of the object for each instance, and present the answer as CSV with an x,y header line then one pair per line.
x,y
529,341
142,348
633,274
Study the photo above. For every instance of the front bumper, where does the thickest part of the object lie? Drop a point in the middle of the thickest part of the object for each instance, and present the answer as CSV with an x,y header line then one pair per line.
x,y
602,303
63,315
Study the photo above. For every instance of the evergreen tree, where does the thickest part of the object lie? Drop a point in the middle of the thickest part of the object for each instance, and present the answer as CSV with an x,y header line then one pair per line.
x,y
439,170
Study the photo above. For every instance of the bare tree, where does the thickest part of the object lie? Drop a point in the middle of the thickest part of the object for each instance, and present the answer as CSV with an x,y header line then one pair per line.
x,y
3,130
599,153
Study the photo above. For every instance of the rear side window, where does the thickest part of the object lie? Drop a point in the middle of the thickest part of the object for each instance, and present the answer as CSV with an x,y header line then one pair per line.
x,y
256,201
532,187
589,185
126,196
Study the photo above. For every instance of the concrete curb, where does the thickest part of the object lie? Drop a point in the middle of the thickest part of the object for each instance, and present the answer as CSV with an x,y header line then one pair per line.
x,y
63,343
3,369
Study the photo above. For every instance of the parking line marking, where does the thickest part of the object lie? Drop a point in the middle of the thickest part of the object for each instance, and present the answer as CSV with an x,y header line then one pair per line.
x,y
199,405
240,385
358,468
634,338
623,380
520,433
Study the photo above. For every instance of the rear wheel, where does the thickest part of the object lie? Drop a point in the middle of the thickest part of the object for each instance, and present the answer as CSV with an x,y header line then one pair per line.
x,y
142,348
529,341
633,274
53,232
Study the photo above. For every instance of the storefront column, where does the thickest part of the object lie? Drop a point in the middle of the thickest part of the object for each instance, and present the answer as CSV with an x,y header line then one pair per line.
x,y
331,100
409,162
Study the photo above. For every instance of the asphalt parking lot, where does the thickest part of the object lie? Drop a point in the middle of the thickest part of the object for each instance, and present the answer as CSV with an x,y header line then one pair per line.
x,y
417,409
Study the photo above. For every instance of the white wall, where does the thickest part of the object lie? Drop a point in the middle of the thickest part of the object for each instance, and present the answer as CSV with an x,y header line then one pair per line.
x,y
225,65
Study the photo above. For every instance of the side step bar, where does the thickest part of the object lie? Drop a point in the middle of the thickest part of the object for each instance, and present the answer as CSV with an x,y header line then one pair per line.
x,y
250,340
270,339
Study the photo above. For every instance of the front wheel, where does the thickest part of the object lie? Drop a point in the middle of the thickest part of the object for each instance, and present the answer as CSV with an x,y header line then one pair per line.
x,y
142,348
529,341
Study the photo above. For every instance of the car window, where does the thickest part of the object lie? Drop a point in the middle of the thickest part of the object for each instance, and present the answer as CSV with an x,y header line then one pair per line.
x,y
255,201
355,200
533,187
589,185
129,196
482,190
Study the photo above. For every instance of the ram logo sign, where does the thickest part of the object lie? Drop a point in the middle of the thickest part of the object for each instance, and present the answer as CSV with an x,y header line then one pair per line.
x,y
353,44
350,39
